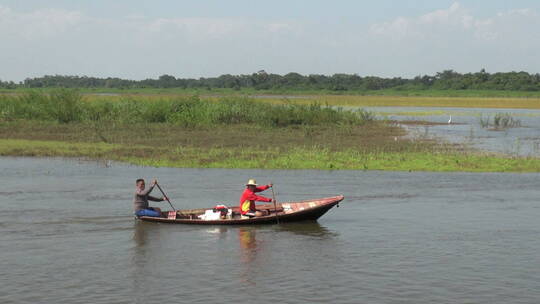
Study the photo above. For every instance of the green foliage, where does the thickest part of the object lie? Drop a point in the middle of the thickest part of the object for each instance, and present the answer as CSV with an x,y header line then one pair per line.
x,y
337,83
312,157
65,106
61,105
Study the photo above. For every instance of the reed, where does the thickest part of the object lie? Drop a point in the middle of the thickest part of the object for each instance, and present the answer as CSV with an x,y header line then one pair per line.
x,y
501,121
67,106
505,120
484,121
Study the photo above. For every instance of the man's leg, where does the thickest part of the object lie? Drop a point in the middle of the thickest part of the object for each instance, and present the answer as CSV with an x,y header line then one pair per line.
x,y
157,210
250,214
149,212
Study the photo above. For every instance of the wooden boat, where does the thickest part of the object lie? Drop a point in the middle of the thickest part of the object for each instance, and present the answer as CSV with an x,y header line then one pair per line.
x,y
286,212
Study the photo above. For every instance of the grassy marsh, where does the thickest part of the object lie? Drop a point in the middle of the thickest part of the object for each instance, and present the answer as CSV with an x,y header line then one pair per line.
x,y
407,98
67,106
415,101
501,121
224,133
272,158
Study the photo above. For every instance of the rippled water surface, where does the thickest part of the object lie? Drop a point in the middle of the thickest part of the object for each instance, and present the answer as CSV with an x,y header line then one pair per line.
x,y
68,236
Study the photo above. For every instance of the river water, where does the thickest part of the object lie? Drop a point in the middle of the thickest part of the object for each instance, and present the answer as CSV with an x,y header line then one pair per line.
x,y
67,236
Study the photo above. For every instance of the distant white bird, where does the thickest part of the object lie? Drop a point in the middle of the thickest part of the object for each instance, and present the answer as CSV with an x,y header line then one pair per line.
x,y
450,120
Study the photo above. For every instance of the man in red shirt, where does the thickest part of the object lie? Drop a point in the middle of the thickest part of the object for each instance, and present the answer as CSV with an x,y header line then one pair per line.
x,y
248,198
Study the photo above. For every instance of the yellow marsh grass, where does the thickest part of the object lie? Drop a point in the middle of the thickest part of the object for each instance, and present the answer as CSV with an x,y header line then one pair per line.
x,y
368,101
415,101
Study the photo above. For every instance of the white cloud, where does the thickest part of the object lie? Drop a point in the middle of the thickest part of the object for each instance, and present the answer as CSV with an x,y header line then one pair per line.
x,y
523,12
454,38
456,21
456,17
38,24
279,27
445,16
206,27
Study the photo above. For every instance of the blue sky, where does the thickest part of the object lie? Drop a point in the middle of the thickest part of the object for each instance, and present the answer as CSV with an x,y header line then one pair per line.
x,y
139,39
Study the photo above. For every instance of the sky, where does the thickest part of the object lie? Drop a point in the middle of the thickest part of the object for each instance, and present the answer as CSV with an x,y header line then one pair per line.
x,y
138,39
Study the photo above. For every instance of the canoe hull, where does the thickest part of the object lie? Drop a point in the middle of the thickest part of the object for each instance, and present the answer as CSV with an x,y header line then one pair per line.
x,y
308,210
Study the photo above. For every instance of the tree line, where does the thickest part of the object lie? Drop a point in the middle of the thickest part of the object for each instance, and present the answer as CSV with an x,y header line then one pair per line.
x,y
445,80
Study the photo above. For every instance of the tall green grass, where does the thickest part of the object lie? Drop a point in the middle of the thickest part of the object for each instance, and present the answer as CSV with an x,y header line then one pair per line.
x,y
294,158
66,106
63,106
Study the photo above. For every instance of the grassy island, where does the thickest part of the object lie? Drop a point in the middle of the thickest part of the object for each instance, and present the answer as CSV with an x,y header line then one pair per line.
x,y
224,132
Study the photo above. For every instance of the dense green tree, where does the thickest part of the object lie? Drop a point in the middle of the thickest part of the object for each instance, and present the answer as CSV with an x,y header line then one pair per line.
x,y
445,80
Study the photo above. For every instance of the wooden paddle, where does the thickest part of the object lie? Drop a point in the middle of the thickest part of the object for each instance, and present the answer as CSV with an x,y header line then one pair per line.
x,y
274,199
166,197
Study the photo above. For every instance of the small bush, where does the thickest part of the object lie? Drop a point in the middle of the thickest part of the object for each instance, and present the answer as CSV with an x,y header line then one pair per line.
x,y
504,121
501,121
65,106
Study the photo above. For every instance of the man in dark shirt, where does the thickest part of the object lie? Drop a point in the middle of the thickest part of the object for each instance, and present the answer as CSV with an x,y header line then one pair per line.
x,y
142,196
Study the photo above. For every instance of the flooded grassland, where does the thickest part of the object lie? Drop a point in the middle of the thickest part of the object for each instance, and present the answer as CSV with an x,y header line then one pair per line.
x,y
236,132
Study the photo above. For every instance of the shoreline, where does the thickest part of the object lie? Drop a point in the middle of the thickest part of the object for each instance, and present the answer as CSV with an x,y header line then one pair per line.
x,y
296,159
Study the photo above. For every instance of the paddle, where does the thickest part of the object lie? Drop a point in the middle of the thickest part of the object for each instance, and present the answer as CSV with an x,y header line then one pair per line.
x,y
166,197
274,199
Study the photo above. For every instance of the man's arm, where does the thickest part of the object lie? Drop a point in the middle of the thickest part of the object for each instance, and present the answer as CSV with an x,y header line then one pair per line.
x,y
155,199
146,191
254,197
262,188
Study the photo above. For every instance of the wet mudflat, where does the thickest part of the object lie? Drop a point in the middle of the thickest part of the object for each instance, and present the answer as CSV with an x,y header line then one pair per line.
x,y
68,236
466,127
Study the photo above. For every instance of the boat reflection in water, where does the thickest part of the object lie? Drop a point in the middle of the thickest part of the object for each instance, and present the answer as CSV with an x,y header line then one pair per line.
x,y
307,228
249,248
263,246
248,243
140,256
139,235
250,253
